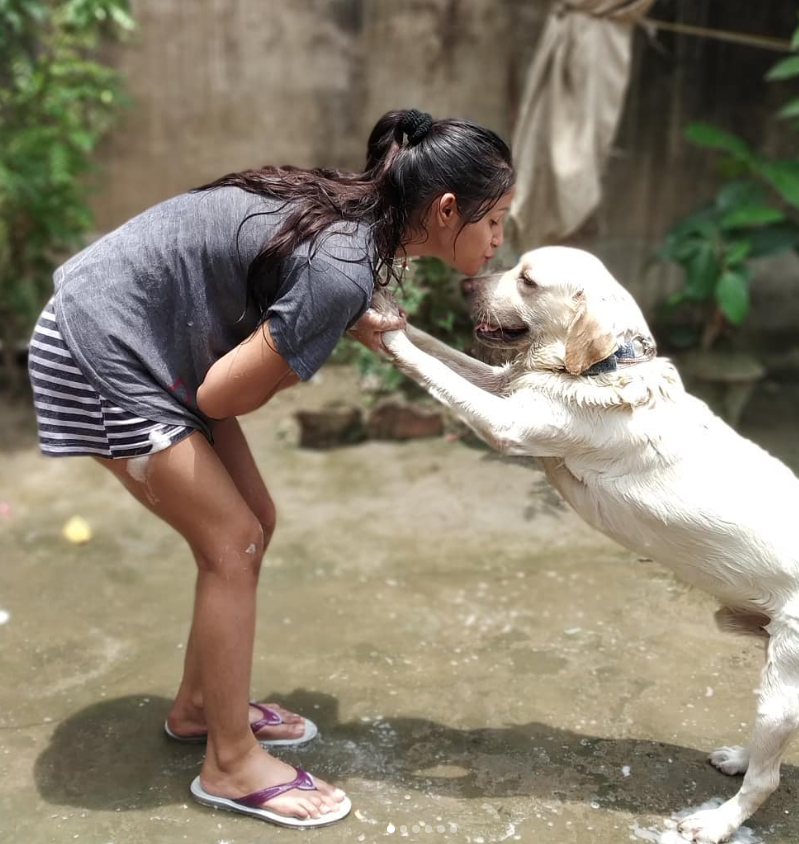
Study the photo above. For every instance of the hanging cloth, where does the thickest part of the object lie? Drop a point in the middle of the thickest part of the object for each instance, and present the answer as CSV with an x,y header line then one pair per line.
x,y
570,109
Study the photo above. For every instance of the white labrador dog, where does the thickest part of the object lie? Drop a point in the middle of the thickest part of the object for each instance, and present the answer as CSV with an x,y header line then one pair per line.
x,y
640,460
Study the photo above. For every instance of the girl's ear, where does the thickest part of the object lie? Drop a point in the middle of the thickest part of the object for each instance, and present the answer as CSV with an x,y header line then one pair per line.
x,y
447,210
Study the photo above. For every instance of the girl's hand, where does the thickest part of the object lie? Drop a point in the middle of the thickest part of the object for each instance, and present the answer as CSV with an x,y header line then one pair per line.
x,y
370,327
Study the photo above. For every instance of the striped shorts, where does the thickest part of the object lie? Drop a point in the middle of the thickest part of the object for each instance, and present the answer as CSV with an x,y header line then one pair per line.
x,y
73,418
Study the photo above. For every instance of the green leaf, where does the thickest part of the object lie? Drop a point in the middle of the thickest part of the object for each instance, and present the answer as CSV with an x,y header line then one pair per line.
x,y
446,322
770,240
783,175
679,248
732,296
84,141
702,273
686,248
740,192
734,168
737,252
700,224
674,301
707,135
751,215
795,40
785,69
790,109
122,18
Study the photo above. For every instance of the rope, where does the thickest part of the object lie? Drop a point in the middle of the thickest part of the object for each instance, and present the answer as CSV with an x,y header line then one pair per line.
x,y
766,42
632,11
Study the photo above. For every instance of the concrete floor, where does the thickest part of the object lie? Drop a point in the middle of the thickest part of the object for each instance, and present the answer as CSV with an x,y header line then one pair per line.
x,y
481,663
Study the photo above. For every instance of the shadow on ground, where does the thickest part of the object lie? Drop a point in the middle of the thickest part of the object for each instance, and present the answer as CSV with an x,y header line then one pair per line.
x,y
111,756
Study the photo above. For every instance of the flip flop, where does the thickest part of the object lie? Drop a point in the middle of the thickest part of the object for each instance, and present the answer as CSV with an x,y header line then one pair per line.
x,y
250,804
270,719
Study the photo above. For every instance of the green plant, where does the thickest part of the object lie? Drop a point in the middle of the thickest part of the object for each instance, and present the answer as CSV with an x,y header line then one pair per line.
x,y
753,215
56,103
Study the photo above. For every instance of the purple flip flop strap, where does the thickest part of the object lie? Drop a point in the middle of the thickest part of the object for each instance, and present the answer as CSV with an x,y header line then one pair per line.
x,y
303,781
270,719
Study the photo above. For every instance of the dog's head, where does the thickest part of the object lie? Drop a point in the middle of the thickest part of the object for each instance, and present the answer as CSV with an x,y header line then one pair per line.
x,y
559,305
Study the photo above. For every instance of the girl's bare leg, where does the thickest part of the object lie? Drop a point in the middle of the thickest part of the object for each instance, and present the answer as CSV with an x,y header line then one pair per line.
x,y
189,487
186,716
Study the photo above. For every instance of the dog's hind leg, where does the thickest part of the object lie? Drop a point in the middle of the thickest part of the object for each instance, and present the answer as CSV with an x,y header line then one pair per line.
x,y
776,720
734,759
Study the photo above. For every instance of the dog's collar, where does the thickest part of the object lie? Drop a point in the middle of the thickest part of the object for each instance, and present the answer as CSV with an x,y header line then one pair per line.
x,y
638,350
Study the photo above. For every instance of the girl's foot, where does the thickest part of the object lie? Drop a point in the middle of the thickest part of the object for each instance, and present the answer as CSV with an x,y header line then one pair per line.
x,y
256,771
188,720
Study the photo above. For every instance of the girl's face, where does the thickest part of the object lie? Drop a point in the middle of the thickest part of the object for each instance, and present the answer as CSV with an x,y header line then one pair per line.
x,y
468,248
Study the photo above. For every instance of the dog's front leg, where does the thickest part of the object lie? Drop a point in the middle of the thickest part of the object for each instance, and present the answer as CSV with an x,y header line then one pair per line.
x,y
492,417
491,378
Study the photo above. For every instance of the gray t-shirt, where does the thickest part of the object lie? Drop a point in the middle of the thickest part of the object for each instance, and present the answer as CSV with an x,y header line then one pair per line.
x,y
148,308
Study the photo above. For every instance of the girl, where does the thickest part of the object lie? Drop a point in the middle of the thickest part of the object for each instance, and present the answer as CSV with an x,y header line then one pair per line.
x,y
199,310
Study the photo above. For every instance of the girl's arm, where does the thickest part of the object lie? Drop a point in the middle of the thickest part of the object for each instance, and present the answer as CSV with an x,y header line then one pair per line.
x,y
252,372
245,378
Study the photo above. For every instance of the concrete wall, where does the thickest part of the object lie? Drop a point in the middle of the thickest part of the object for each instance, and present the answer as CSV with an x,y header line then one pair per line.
x,y
220,85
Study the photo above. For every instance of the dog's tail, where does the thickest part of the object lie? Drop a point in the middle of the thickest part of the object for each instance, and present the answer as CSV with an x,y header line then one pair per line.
x,y
746,622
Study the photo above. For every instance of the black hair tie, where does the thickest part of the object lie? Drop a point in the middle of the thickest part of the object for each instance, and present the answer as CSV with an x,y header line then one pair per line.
x,y
416,124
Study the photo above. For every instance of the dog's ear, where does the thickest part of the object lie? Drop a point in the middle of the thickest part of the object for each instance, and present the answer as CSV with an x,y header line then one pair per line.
x,y
587,341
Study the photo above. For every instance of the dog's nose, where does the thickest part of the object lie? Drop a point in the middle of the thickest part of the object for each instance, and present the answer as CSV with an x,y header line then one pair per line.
x,y
468,286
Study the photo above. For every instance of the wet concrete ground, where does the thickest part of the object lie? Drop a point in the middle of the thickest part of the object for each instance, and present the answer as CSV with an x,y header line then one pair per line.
x,y
481,663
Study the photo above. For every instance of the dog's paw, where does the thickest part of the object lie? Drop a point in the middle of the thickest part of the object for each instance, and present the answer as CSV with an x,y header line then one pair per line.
x,y
383,302
730,760
710,826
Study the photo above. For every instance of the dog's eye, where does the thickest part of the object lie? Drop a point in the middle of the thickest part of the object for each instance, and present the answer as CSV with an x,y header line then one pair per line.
x,y
528,280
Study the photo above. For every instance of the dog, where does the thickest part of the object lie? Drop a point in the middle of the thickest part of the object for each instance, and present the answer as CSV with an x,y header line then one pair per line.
x,y
639,459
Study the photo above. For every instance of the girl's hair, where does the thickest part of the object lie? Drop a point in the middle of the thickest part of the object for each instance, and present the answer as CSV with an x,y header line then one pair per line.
x,y
411,160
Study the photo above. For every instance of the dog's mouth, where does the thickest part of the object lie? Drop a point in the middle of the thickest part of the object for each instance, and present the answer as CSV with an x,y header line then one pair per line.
x,y
490,333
